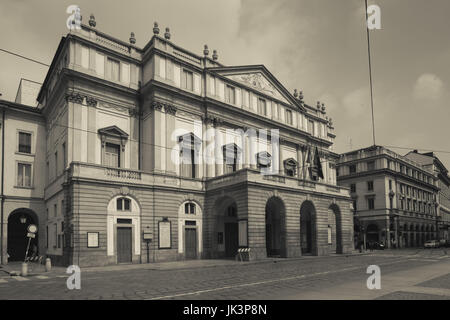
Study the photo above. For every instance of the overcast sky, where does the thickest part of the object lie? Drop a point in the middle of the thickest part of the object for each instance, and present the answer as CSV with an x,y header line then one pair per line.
x,y
318,46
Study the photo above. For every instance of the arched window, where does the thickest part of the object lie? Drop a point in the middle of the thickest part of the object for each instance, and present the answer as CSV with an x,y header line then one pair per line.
x,y
189,208
123,204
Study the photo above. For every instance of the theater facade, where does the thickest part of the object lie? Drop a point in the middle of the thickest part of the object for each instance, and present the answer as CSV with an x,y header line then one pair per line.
x,y
156,154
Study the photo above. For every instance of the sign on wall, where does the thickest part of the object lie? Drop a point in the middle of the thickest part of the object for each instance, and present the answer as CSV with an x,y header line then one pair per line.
x,y
329,235
92,239
164,235
243,236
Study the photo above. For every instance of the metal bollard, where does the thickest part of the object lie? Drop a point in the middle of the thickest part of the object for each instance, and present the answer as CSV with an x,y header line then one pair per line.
x,y
24,272
48,264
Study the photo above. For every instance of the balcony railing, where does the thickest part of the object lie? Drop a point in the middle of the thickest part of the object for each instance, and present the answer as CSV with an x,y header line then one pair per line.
x,y
123,173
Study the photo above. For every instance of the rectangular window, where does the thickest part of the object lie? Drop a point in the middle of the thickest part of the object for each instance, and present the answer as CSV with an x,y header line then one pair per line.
x,y
55,210
370,165
56,164
370,185
112,155
352,168
64,155
353,187
289,117
187,80
371,203
230,96
24,175
188,166
311,127
390,184
112,70
262,108
24,142
46,236
55,238
62,208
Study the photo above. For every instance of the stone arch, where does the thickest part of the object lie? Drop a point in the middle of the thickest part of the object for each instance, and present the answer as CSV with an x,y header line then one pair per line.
x,y
335,238
308,229
190,229
275,221
226,227
124,225
373,233
17,240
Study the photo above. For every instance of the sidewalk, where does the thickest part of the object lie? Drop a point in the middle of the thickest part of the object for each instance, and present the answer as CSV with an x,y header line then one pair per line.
x,y
15,268
35,269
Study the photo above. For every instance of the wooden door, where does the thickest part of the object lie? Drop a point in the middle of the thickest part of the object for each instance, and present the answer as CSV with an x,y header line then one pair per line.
x,y
190,243
124,246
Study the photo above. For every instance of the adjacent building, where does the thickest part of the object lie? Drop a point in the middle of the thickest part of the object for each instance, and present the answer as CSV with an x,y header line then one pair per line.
x,y
394,197
430,161
138,155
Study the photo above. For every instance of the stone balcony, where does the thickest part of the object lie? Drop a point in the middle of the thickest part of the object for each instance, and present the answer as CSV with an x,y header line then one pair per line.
x,y
122,176
277,181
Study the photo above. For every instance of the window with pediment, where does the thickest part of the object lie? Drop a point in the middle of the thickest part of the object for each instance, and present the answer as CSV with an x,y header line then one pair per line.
x,y
290,167
113,140
263,159
231,155
189,154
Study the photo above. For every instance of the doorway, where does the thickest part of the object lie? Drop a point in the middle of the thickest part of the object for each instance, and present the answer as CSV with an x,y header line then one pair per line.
x,y
18,222
190,243
124,246
231,239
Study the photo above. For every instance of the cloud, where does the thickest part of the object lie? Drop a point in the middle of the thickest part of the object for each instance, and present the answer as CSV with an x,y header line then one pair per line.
x,y
428,87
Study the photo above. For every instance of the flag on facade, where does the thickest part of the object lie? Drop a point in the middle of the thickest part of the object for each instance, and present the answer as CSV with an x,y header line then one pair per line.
x,y
317,164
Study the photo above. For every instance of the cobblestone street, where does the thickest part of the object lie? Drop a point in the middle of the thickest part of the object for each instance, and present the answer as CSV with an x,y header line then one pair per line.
x,y
405,274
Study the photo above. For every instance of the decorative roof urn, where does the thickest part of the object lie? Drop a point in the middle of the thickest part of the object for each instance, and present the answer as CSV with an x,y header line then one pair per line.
x,y
155,28
92,22
132,38
167,34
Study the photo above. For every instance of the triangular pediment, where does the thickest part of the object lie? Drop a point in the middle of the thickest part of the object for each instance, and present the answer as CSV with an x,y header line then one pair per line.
x,y
113,131
260,79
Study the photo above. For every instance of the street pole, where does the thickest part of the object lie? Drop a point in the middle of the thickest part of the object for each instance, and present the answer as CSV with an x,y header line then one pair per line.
x,y
26,253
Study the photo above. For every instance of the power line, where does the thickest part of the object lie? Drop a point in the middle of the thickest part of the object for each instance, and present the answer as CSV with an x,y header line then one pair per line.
x,y
26,58
408,148
370,75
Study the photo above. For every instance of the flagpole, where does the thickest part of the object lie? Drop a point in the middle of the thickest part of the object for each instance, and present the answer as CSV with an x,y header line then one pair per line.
x,y
370,75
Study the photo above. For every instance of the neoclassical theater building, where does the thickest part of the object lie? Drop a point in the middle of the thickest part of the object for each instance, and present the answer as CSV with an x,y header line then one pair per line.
x,y
137,155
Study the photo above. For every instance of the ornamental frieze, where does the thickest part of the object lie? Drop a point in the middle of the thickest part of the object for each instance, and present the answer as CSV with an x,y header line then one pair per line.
x,y
76,97
168,108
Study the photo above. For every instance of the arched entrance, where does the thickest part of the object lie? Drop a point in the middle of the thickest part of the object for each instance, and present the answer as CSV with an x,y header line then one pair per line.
x,y
275,230
18,222
373,233
227,227
405,235
334,229
307,227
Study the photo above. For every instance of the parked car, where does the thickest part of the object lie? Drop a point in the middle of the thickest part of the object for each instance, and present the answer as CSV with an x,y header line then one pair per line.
x,y
375,245
431,244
